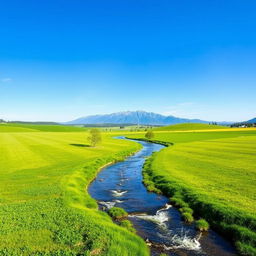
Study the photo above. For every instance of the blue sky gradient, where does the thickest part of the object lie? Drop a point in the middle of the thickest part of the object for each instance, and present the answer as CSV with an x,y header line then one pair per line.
x,y
60,60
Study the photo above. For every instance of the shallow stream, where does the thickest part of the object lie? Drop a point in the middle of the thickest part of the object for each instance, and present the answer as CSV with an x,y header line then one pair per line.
x,y
152,215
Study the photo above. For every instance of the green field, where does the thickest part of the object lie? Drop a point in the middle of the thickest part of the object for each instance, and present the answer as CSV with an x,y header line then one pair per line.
x,y
17,127
190,127
214,172
45,169
44,205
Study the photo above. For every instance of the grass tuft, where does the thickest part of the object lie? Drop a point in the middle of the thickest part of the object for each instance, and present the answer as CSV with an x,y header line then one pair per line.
x,y
117,213
202,225
186,209
187,217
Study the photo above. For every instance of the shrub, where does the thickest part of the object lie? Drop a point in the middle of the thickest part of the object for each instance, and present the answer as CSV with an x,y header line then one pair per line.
x,y
117,213
187,217
202,225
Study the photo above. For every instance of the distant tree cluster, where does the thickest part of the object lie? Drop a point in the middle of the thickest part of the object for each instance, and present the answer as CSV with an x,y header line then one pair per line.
x,y
243,124
94,137
140,128
213,123
108,130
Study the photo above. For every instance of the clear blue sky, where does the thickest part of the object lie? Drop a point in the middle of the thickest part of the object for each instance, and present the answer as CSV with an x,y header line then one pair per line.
x,y
60,60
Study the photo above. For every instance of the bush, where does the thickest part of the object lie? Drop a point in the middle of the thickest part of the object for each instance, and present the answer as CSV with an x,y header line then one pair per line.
x,y
128,225
117,213
187,217
202,225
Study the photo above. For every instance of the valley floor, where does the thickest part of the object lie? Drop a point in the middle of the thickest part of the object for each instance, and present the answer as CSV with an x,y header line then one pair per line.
x,y
44,172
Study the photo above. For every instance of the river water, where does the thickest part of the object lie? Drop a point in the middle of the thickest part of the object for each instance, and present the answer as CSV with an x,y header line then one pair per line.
x,y
152,215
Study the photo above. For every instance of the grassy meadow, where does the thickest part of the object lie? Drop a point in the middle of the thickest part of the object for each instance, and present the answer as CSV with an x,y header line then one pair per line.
x,y
213,170
20,127
45,169
190,127
44,205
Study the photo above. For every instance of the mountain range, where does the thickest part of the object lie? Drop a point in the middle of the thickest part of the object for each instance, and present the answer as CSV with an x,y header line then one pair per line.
x,y
134,117
252,121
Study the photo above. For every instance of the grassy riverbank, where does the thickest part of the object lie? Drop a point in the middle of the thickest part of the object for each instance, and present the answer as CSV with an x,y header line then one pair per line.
x,y
214,172
44,205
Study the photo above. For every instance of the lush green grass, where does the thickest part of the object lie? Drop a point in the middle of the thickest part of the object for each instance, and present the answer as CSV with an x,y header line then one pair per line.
x,y
117,213
214,173
44,205
128,225
224,168
190,127
46,210
17,127
9,128
195,136
202,225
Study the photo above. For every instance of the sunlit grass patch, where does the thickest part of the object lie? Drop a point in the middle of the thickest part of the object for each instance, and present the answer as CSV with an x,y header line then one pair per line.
x,y
44,205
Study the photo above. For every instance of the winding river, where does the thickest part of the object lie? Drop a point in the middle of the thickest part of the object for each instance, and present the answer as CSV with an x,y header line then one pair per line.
x,y
155,220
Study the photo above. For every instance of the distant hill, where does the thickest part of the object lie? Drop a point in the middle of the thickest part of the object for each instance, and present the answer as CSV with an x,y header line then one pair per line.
x,y
134,117
252,121
37,122
189,126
